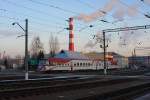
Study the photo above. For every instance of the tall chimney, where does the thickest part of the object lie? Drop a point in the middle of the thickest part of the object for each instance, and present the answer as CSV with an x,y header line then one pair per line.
x,y
71,35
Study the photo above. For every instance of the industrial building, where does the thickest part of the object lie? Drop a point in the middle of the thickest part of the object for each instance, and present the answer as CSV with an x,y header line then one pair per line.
x,y
139,61
116,60
73,60
70,60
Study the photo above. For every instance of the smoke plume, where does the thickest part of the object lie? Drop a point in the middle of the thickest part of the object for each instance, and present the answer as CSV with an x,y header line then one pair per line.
x,y
120,11
99,13
89,44
132,10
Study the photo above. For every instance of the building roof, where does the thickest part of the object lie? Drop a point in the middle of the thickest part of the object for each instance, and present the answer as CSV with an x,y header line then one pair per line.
x,y
59,60
65,54
99,55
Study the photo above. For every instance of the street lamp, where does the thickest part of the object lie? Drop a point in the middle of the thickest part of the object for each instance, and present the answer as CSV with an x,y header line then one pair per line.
x,y
26,45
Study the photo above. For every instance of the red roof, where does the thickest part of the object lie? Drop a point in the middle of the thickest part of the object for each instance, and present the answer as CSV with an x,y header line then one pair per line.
x,y
58,60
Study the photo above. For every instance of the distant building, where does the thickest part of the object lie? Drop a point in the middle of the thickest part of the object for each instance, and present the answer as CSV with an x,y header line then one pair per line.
x,y
139,61
114,58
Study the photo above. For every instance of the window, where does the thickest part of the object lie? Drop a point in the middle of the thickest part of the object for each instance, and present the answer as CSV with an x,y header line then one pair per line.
x,y
78,64
83,64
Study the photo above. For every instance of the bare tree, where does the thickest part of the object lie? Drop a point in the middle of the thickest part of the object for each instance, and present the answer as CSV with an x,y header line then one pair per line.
x,y
56,44
18,59
36,46
53,45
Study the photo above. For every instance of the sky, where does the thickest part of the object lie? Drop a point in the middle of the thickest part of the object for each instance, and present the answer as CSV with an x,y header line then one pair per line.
x,y
48,17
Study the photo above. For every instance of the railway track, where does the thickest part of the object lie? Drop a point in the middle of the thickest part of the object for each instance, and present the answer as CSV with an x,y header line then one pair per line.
x,y
16,84
49,87
127,93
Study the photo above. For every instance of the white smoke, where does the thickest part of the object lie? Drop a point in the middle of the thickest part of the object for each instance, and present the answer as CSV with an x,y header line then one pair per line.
x,y
89,44
132,10
120,11
99,13
110,5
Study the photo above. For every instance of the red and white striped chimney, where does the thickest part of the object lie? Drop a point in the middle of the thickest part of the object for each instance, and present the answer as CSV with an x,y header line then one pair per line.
x,y
71,35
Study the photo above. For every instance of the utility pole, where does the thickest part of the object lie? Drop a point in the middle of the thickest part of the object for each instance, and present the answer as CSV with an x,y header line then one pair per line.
x,y
118,30
26,46
26,50
104,46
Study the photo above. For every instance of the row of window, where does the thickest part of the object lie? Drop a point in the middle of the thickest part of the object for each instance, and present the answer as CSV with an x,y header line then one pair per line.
x,y
79,64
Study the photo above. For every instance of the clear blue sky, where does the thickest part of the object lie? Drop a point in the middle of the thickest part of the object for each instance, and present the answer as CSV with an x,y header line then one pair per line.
x,y
45,20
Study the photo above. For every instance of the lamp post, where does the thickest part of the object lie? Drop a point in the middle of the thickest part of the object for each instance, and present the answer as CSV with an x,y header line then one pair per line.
x,y
26,46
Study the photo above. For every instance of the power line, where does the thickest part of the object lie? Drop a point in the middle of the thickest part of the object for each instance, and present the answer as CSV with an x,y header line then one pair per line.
x,y
56,7
121,2
12,18
91,6
8,35
44,24
22,14
31,9
39,23
53,6
100,11
45,31
142,13
29,16
88,5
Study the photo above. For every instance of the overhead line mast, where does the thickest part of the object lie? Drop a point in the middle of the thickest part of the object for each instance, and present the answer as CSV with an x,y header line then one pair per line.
x,y
118,30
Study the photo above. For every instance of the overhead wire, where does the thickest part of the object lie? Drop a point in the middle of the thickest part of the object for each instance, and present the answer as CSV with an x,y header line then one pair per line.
x,y
39,23
91,6
53,6
31,9
56,7
34,10
22,14
41,30
123,3
11,18
100,11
